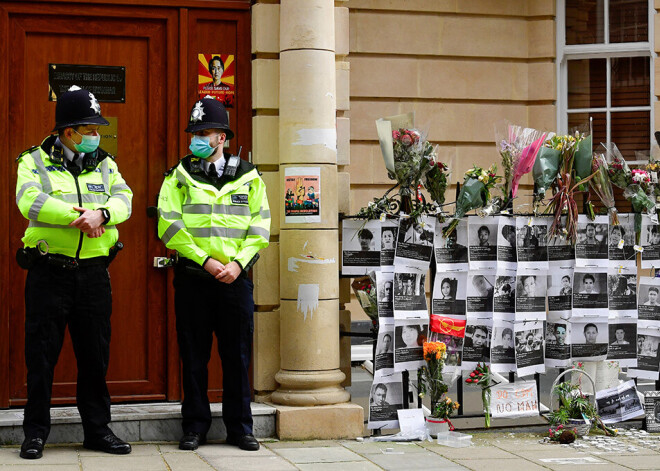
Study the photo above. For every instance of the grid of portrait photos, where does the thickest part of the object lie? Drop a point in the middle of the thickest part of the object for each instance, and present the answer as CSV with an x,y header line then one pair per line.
x,y
505,294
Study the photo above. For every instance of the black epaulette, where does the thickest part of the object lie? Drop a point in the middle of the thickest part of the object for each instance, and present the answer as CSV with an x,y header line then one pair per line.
x,y
29,151
169,171
102,154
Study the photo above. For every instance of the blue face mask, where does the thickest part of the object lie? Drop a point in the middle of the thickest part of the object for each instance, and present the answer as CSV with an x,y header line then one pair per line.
x,y
200,147
88,143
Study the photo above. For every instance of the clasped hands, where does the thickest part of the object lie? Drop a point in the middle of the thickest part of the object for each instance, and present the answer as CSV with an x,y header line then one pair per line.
x,y
223,273
90,222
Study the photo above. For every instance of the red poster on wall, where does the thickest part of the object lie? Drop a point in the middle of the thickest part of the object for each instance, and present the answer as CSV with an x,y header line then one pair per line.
x,y
216,77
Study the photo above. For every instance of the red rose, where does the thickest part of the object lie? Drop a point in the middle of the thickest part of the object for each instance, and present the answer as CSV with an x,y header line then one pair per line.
x,y
472,375
396,135
468,380
406,140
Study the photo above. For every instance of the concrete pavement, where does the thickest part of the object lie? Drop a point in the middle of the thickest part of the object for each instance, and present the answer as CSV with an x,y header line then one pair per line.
x,y
491,451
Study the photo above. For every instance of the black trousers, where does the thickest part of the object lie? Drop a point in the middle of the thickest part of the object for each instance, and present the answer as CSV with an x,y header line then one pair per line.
x,y
205,306
81,299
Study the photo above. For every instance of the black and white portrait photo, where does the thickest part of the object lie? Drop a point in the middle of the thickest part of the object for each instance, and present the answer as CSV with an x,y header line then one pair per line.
x,y
648,361
482,239
384,364
409,337
449,293
451,253
415,239
648,300
589,338
409,295
622,242
385,292
557,343
622,342
561,251
476,345
529,348
532,242
652,411
591,246
388,237
504,298
385,399
622,290
531,286
502,352
480,291
650,241
590,290
360,246
560,290
507,255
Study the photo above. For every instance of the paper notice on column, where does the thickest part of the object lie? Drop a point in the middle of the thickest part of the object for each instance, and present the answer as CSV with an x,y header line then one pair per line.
x,y
530,358
451,253
385,399
302,195
482,240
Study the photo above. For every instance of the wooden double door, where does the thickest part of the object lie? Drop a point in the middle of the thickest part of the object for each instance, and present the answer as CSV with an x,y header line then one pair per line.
x,y
158,44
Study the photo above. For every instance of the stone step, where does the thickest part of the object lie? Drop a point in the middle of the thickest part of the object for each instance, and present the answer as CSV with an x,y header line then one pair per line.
x,y
149,422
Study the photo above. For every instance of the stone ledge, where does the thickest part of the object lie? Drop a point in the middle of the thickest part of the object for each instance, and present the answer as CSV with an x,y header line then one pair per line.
x,y
331,422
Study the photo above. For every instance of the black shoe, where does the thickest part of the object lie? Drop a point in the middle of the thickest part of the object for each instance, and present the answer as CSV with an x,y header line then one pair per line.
x,y
108,444
246,442
191,441
32,448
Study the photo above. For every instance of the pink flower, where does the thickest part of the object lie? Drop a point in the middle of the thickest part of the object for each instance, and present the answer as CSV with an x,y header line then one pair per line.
x,y
406,140
396,135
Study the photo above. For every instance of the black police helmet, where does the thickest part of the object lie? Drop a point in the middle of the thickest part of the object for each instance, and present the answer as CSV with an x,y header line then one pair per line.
x,y
209,113
77,107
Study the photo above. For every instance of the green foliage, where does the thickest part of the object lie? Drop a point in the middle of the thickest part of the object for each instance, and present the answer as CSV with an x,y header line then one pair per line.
x,y
573,404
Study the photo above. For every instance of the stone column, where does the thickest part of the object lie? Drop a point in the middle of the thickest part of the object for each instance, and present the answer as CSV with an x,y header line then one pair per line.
x,y
309,284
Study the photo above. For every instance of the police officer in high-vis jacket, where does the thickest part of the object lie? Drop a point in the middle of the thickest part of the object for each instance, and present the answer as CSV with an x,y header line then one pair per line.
x,y
72,194
213,211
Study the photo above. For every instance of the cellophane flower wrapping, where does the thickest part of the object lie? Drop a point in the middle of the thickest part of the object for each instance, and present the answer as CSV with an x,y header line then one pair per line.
x,y
602,186
583,158
435,181
518,147
364,288
412,154
617,168
545,169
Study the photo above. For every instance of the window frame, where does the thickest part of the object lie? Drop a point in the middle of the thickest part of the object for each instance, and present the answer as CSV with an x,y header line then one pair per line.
x,y
605,51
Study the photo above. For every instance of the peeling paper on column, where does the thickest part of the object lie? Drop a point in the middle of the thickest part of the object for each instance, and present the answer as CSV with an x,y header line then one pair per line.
x,y
311,137
308,299
293,261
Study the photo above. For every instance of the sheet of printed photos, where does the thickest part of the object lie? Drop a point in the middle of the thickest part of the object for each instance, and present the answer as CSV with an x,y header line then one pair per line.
x,y
505,294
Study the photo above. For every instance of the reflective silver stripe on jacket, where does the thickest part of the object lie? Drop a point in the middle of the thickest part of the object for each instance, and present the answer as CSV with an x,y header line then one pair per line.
x,y
43,173
258,231
85,197
118,188
35,209
24,187
171,231
45,225
225,232
264,213
125,200
105,173
216,209
169,214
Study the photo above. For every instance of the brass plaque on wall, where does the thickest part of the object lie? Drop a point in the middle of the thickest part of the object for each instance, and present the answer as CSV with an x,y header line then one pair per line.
x,y
107,83
109,136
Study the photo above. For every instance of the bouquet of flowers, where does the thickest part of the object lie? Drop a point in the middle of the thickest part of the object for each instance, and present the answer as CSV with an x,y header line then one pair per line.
x,y
546,168
431,373
518,147
561,434
583,157
481,377
474,194
444,409
618,170
435,181
602,186
412,155
365,290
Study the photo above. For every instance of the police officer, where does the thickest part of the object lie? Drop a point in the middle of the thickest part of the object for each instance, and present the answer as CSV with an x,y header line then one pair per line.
x,y
73,196
213,211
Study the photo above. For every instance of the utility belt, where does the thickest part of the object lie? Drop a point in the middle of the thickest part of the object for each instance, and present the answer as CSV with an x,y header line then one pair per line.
x,y
29,257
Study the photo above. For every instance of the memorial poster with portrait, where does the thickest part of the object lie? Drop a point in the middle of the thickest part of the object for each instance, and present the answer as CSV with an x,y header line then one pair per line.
x,y
648,298
482,240
532,242
650,242
451,331
648,338
589,338
360,246
560,291
590,296
384,358
389,230
409,338
476,345
623,341
652,411
557,342
415,241
504,296
507,254
216,77
385,292
591,247
302,195
530,358
561,252
451,253
622,291
409,294
385,399
449,293
531,289
502,351
480,291
621,240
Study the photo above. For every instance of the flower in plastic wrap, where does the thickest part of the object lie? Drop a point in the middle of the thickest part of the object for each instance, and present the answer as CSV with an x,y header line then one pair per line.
x,y
618,170
435,181
602,186
640,176
412,154
545,168
365,290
